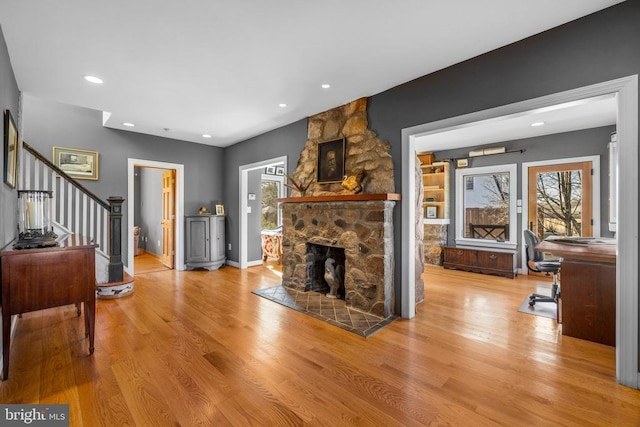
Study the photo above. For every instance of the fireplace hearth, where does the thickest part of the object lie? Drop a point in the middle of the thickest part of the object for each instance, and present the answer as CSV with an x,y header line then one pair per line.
x,y
360,228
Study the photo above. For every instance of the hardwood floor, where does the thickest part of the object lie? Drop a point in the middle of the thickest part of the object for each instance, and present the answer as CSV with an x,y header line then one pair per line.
x,y
198,348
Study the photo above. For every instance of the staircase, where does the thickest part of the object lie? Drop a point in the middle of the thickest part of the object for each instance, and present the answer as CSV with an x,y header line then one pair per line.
x,y
76,210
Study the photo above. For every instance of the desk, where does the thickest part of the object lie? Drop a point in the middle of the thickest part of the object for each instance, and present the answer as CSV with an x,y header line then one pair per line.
x,y
588,289
36,279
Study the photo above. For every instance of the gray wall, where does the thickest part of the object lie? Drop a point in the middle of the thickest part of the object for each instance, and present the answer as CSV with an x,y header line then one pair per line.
x,y
9,96
587,142
151,209
254,226
285,141
599,47
49,124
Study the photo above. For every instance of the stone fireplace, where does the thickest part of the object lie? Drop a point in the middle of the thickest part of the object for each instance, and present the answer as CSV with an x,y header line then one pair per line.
x,y
356,224
360,229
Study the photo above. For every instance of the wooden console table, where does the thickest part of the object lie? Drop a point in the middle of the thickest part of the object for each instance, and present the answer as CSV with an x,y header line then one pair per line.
x,y
588,289
501,262
36,279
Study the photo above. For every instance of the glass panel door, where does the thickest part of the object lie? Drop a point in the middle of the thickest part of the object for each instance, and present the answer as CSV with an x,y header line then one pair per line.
x,y
560,200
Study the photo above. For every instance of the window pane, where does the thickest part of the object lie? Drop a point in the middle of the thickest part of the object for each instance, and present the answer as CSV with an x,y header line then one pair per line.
x,y
486,206
269,213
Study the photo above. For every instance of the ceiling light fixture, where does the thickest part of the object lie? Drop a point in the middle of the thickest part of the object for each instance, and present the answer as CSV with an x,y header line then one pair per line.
x,y
93,79
206,135
282,105
326,86
127,124
536,124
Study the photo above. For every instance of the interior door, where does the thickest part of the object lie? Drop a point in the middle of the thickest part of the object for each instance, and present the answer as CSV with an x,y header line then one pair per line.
x,y
168,218
561,200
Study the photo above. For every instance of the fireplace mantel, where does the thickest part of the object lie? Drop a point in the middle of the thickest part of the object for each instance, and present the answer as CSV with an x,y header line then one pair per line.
x,y
341,198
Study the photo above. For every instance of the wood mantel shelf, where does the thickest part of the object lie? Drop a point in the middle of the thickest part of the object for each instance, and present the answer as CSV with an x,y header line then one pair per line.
x,y
341,198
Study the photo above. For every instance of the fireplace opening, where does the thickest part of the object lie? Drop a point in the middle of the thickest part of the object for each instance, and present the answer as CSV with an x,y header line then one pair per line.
x,y
325,270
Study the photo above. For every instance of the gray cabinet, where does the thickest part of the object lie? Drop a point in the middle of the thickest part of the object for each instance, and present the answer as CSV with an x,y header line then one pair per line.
x,y
204,241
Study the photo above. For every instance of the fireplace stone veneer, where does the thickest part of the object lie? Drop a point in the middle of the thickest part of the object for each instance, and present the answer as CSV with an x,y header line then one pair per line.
x,y
363,228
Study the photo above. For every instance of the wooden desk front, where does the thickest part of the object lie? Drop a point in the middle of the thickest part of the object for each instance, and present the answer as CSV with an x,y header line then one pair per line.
x,y
36,279
588,289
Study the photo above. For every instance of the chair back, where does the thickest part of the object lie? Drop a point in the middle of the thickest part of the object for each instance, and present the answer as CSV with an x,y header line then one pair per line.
x,y
530,242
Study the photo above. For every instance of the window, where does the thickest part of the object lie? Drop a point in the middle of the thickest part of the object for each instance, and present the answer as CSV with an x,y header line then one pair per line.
x,y
272,189
486,206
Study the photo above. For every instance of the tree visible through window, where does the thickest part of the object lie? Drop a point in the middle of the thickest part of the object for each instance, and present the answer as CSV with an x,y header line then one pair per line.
x,y
559,197
270,192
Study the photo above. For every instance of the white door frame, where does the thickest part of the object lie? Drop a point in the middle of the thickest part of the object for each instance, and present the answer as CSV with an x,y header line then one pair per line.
x,y
178,227
626,89
243,199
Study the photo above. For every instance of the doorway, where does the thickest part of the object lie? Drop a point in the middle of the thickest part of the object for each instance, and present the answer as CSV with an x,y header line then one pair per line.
x,y
560,199
626,91
250,218
178,209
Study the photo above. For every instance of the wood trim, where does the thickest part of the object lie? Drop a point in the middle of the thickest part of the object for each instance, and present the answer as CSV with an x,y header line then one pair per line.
x,y
341,198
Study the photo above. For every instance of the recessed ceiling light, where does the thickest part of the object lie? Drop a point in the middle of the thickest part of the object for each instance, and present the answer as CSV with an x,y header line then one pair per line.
x,y
206,135
127,124
93,79
326,86
282,105
537,124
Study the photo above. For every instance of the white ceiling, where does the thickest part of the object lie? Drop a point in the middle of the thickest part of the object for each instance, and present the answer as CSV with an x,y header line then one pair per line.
x,y
570,116
223,67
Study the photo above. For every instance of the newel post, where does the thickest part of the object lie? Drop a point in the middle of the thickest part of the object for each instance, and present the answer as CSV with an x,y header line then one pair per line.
x,y
116,271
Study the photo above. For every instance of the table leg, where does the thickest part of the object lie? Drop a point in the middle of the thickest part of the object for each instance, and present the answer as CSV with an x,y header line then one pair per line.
x,y
90,314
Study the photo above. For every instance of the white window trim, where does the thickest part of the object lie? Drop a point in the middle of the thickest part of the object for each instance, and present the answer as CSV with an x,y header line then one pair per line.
x,y
512,169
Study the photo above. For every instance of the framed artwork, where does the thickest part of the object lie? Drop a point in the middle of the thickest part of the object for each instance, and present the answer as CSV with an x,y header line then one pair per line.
x,y
432,211
79,164
10,150
331,161
462,163
270,170
280,171
219,209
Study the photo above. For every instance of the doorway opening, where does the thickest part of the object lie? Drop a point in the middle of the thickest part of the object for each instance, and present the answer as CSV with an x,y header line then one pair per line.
x,y
626,93
164,234
271,173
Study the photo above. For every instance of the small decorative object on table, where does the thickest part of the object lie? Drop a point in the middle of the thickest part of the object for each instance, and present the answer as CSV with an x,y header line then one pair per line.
x,y
204,211
353,182
219,209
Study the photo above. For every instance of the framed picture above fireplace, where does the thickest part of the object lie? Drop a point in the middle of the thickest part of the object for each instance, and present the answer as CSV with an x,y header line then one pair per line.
x,y
331,161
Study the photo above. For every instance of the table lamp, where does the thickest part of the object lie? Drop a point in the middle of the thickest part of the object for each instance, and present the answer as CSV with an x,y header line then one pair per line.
x,y
34,220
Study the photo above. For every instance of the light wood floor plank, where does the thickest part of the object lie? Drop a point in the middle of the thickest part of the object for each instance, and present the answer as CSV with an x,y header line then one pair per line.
x,y
198,348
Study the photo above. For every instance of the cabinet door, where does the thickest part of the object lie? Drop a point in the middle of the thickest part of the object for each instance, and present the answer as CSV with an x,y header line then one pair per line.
x,y
198,247
217,239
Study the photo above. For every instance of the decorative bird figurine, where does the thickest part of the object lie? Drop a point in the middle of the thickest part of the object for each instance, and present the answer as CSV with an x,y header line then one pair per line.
x,y
353,182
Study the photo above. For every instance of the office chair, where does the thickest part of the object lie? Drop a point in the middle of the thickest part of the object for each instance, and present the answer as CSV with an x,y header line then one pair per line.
x,y
540,265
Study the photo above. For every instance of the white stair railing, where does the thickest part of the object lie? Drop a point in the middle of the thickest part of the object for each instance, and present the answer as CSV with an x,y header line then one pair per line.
x,y
75,208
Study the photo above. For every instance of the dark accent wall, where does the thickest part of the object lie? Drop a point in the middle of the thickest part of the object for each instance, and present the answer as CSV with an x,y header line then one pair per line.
x,y
49,124
597,48
285,141
9,100
586,142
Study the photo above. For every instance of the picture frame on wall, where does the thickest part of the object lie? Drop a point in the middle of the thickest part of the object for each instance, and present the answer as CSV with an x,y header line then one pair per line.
x,y
270,170
78,164
11,145
219,209
331,161
280,171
